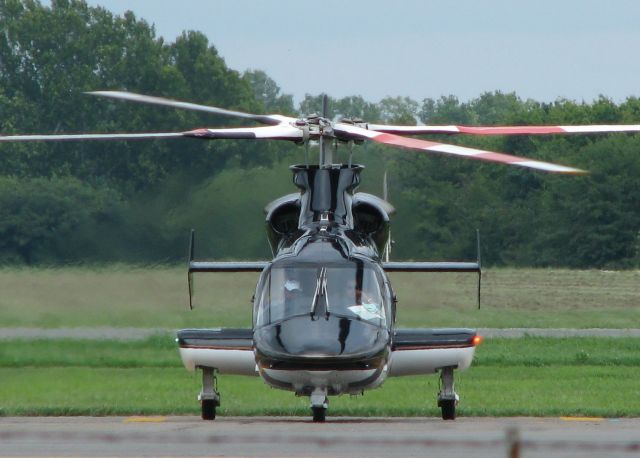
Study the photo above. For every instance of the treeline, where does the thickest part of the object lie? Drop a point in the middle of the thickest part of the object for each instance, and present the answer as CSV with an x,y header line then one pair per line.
x,y
93,202
526,218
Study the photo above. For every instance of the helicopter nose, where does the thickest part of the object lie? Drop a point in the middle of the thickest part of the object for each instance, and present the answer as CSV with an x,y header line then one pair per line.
x,y
332,338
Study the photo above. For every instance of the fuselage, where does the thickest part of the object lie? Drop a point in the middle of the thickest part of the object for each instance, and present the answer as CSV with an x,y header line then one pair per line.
x,y
324,309
323,316
323,312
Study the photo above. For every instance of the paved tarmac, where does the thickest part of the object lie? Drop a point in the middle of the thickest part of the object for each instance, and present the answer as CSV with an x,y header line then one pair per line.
x,y
299,437
129,334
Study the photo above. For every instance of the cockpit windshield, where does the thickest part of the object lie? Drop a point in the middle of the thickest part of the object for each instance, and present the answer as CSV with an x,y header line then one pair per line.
x,y
351,290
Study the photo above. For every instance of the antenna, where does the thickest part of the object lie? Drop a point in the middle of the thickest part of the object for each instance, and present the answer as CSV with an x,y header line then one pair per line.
x,y
385,187
325,105
385,196
479,261
192,244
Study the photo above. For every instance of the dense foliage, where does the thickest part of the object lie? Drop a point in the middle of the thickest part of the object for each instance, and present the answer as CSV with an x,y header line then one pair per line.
x,y
135,201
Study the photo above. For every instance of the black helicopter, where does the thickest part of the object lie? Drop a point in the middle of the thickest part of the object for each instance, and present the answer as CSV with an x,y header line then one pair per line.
x,y
324,310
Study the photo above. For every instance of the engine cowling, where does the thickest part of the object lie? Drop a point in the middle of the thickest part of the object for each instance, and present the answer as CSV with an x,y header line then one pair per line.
x,y
371,217
282,216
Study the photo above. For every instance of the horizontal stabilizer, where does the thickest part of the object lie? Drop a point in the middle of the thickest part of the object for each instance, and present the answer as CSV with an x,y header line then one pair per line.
x,y
216,266
230,266
441,266
431,266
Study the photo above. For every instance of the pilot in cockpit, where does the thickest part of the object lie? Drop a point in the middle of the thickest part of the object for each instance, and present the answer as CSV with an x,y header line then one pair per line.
x,y
292,297
292,287
356,294
361,302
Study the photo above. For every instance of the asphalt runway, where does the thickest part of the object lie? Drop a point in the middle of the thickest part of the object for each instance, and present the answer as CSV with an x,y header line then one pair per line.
x,y
299,437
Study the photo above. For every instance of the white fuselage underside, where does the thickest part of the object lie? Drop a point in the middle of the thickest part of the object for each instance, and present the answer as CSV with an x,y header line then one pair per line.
x,y
402,362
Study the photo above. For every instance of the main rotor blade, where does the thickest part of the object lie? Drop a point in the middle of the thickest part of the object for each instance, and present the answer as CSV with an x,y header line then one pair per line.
x,y
132,97
350,132
281,132
505,130
72,137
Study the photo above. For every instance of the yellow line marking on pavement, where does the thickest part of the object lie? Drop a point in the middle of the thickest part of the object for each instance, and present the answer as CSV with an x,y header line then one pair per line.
x,y
581,418
144,420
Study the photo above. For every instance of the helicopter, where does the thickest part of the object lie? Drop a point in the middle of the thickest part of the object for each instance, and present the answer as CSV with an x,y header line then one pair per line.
x,y
324,309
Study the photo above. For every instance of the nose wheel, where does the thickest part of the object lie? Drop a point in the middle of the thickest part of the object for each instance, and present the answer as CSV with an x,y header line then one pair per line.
x,y
319,405
319,414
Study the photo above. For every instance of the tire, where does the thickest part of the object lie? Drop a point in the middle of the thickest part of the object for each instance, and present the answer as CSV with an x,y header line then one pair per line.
x,y
448,407
209,409
319,414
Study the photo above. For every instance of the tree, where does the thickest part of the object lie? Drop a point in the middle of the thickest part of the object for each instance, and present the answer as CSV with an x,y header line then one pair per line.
x,y
445,110
312,104
399,110
37,215
355,107
268,93
50,55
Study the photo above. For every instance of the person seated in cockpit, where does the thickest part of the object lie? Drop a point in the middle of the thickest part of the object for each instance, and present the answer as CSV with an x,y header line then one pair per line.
x,y
292,297
361,302
356,294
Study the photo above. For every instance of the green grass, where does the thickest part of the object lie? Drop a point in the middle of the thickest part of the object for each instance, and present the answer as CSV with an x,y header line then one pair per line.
x,y
158,351
542,351
126,296
499,391
122,296
529,376
546,298
161,351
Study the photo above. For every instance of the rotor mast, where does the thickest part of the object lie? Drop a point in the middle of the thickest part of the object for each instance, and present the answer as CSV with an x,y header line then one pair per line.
x,y
327,138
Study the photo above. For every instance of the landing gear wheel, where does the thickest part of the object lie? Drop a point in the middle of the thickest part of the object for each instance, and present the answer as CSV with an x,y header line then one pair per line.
x,y
209,409
319,414
448,407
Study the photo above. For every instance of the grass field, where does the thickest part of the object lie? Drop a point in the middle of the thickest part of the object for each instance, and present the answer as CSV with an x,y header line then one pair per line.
x,y
125,296
530,376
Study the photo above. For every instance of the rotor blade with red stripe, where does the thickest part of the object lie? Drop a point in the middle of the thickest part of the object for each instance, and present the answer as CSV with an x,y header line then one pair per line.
x,y
350,132
273,119
505,130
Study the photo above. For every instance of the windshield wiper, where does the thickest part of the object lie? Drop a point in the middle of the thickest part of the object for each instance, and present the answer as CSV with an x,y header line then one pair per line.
x,y
321,290
326,296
